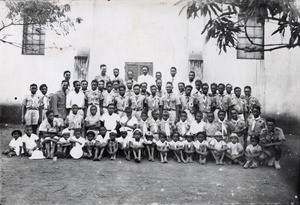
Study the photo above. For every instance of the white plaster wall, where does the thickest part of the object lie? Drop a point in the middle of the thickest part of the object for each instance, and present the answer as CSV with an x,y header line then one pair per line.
x,y
139,31
122,31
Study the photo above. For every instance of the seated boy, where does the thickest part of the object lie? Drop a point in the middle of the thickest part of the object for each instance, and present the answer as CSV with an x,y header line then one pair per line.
x,y
183,126
50,142
74,120
112,145
15,145
201,147
137,145
163,148
77,140
252,153
150,143
271,140
197,125
143,124
124,141
111,120
255,124
63,144
166,126
235,150
223,125
30,141
154,123
176,146
218,148
188,147
89,144
100,144
92,121
211,127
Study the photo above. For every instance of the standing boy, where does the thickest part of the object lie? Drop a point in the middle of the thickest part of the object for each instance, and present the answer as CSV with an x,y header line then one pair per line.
x,y
170,102
31,106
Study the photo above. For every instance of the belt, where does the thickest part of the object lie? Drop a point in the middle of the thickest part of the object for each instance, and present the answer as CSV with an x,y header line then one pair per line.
x,y
137,109
93,103
169,109
31,108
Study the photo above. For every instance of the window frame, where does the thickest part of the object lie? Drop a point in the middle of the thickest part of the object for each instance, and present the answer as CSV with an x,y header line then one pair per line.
x,y
32,38
253,38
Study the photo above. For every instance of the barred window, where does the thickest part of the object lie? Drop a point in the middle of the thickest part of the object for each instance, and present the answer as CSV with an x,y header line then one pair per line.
x,y
33,39
255,32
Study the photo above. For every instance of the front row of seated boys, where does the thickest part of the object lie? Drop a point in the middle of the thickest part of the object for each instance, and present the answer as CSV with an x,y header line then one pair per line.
x,y
125,142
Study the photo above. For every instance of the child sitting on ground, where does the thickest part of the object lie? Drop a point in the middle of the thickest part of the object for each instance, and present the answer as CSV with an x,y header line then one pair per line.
x,y
218,148
112,145
150,143
100,144
123,141
201,147
176,146
15,145
77,140
235,150
137,145
50,142
188,147
30,141
252,153
89,144
163,148
63,144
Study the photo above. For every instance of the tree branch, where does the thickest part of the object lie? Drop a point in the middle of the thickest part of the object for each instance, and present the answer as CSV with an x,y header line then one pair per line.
x,y
11,43
270,49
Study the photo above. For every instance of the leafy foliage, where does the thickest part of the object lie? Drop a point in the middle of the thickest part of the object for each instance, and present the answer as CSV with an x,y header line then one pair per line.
x,y
224,25
50,14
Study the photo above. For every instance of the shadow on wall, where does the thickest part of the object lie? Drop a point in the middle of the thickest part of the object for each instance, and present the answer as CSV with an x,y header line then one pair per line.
x,y
290,125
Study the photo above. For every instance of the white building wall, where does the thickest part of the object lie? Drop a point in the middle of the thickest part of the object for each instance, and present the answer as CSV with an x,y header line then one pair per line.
x,y
120,31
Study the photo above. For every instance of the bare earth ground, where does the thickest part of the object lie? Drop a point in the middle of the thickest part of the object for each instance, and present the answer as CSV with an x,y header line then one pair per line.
x,y
83,181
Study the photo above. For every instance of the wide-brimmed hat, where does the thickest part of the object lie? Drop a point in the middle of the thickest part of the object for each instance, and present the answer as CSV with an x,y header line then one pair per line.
x,y
76,152
37,154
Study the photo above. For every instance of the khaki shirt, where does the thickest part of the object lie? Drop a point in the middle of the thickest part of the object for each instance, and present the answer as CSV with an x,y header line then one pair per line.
x,y
170,101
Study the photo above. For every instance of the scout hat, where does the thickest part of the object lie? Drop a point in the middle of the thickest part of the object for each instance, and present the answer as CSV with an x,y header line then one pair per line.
x,y
234,135
123,129
37,154
65,131
218,133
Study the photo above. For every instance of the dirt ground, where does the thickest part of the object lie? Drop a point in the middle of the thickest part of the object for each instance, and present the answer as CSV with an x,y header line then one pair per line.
x,y
83,181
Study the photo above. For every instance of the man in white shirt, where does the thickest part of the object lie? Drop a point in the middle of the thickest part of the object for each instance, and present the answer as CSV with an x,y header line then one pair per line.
x,y
146,77
77,97
191,80
173,79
